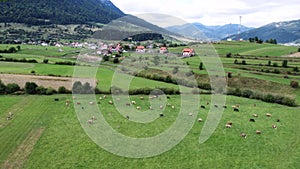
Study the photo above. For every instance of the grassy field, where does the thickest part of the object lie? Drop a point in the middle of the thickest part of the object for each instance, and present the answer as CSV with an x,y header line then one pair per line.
x,y
58,141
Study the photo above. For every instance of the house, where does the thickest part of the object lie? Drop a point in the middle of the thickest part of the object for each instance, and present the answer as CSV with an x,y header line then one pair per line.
x,y
163,50
140,49
188,52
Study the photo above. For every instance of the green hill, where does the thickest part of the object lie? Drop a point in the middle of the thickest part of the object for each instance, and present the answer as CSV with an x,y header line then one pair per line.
x,y
41,12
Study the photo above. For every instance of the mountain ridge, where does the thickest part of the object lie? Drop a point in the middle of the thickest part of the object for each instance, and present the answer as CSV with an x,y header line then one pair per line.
x,y
283,32
200,31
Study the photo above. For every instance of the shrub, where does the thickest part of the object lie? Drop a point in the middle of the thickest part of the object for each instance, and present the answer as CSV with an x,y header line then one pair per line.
x,y
41,90
45,61
175,70
62,90
268,98
247,93
50,91
229,74
244,62
294,84
2,87
276,71
296,69
32,72
275,64
228,55
288,101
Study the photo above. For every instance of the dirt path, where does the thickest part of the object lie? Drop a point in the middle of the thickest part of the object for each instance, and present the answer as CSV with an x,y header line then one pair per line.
x,y
46,81
294,55
20,155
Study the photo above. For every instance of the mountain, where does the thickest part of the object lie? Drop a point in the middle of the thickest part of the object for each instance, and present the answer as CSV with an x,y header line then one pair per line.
x,y
200,31
129,25
45,12
283,32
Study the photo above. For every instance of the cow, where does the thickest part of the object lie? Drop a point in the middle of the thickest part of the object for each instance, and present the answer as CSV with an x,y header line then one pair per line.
x,y
255,115
161,115
200,119
252,120
236,109
203,107
228,124
258,132
56,99
274,126
268,114
138,108
90,121
110,102
244,135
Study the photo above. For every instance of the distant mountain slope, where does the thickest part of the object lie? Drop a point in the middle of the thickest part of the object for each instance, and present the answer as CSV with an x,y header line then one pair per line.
x,y
201,31
128,26
283,32
41,12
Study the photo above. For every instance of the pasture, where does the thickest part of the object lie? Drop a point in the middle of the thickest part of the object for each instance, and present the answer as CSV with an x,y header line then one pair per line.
x,y
49,135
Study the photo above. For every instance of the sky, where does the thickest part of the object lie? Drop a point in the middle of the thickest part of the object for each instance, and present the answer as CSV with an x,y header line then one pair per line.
x,y
255,13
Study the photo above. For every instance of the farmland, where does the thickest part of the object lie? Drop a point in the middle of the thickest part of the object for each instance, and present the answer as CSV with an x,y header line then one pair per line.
x,y
63,144
49,133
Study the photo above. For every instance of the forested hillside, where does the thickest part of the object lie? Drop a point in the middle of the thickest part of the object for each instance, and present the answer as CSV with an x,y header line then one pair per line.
x,y
43,12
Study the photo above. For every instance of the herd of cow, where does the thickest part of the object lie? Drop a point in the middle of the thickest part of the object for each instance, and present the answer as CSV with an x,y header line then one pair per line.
x,y
229,124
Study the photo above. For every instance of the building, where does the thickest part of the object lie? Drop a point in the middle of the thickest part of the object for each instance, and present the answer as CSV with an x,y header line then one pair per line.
x,y
188,52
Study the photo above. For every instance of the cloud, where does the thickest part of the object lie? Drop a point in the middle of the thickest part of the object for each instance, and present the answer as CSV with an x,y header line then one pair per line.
x,y
217,12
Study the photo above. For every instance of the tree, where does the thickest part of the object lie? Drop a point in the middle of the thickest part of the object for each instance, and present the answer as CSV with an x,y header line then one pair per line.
x,y
116,60
12,87
30,88
105,58
18,48
87,88
2,87
77,87
201,66
168,79
62,90
12,50
294,84
285,63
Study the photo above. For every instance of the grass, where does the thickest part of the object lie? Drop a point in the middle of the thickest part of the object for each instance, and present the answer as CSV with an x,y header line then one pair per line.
x,y
64,144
